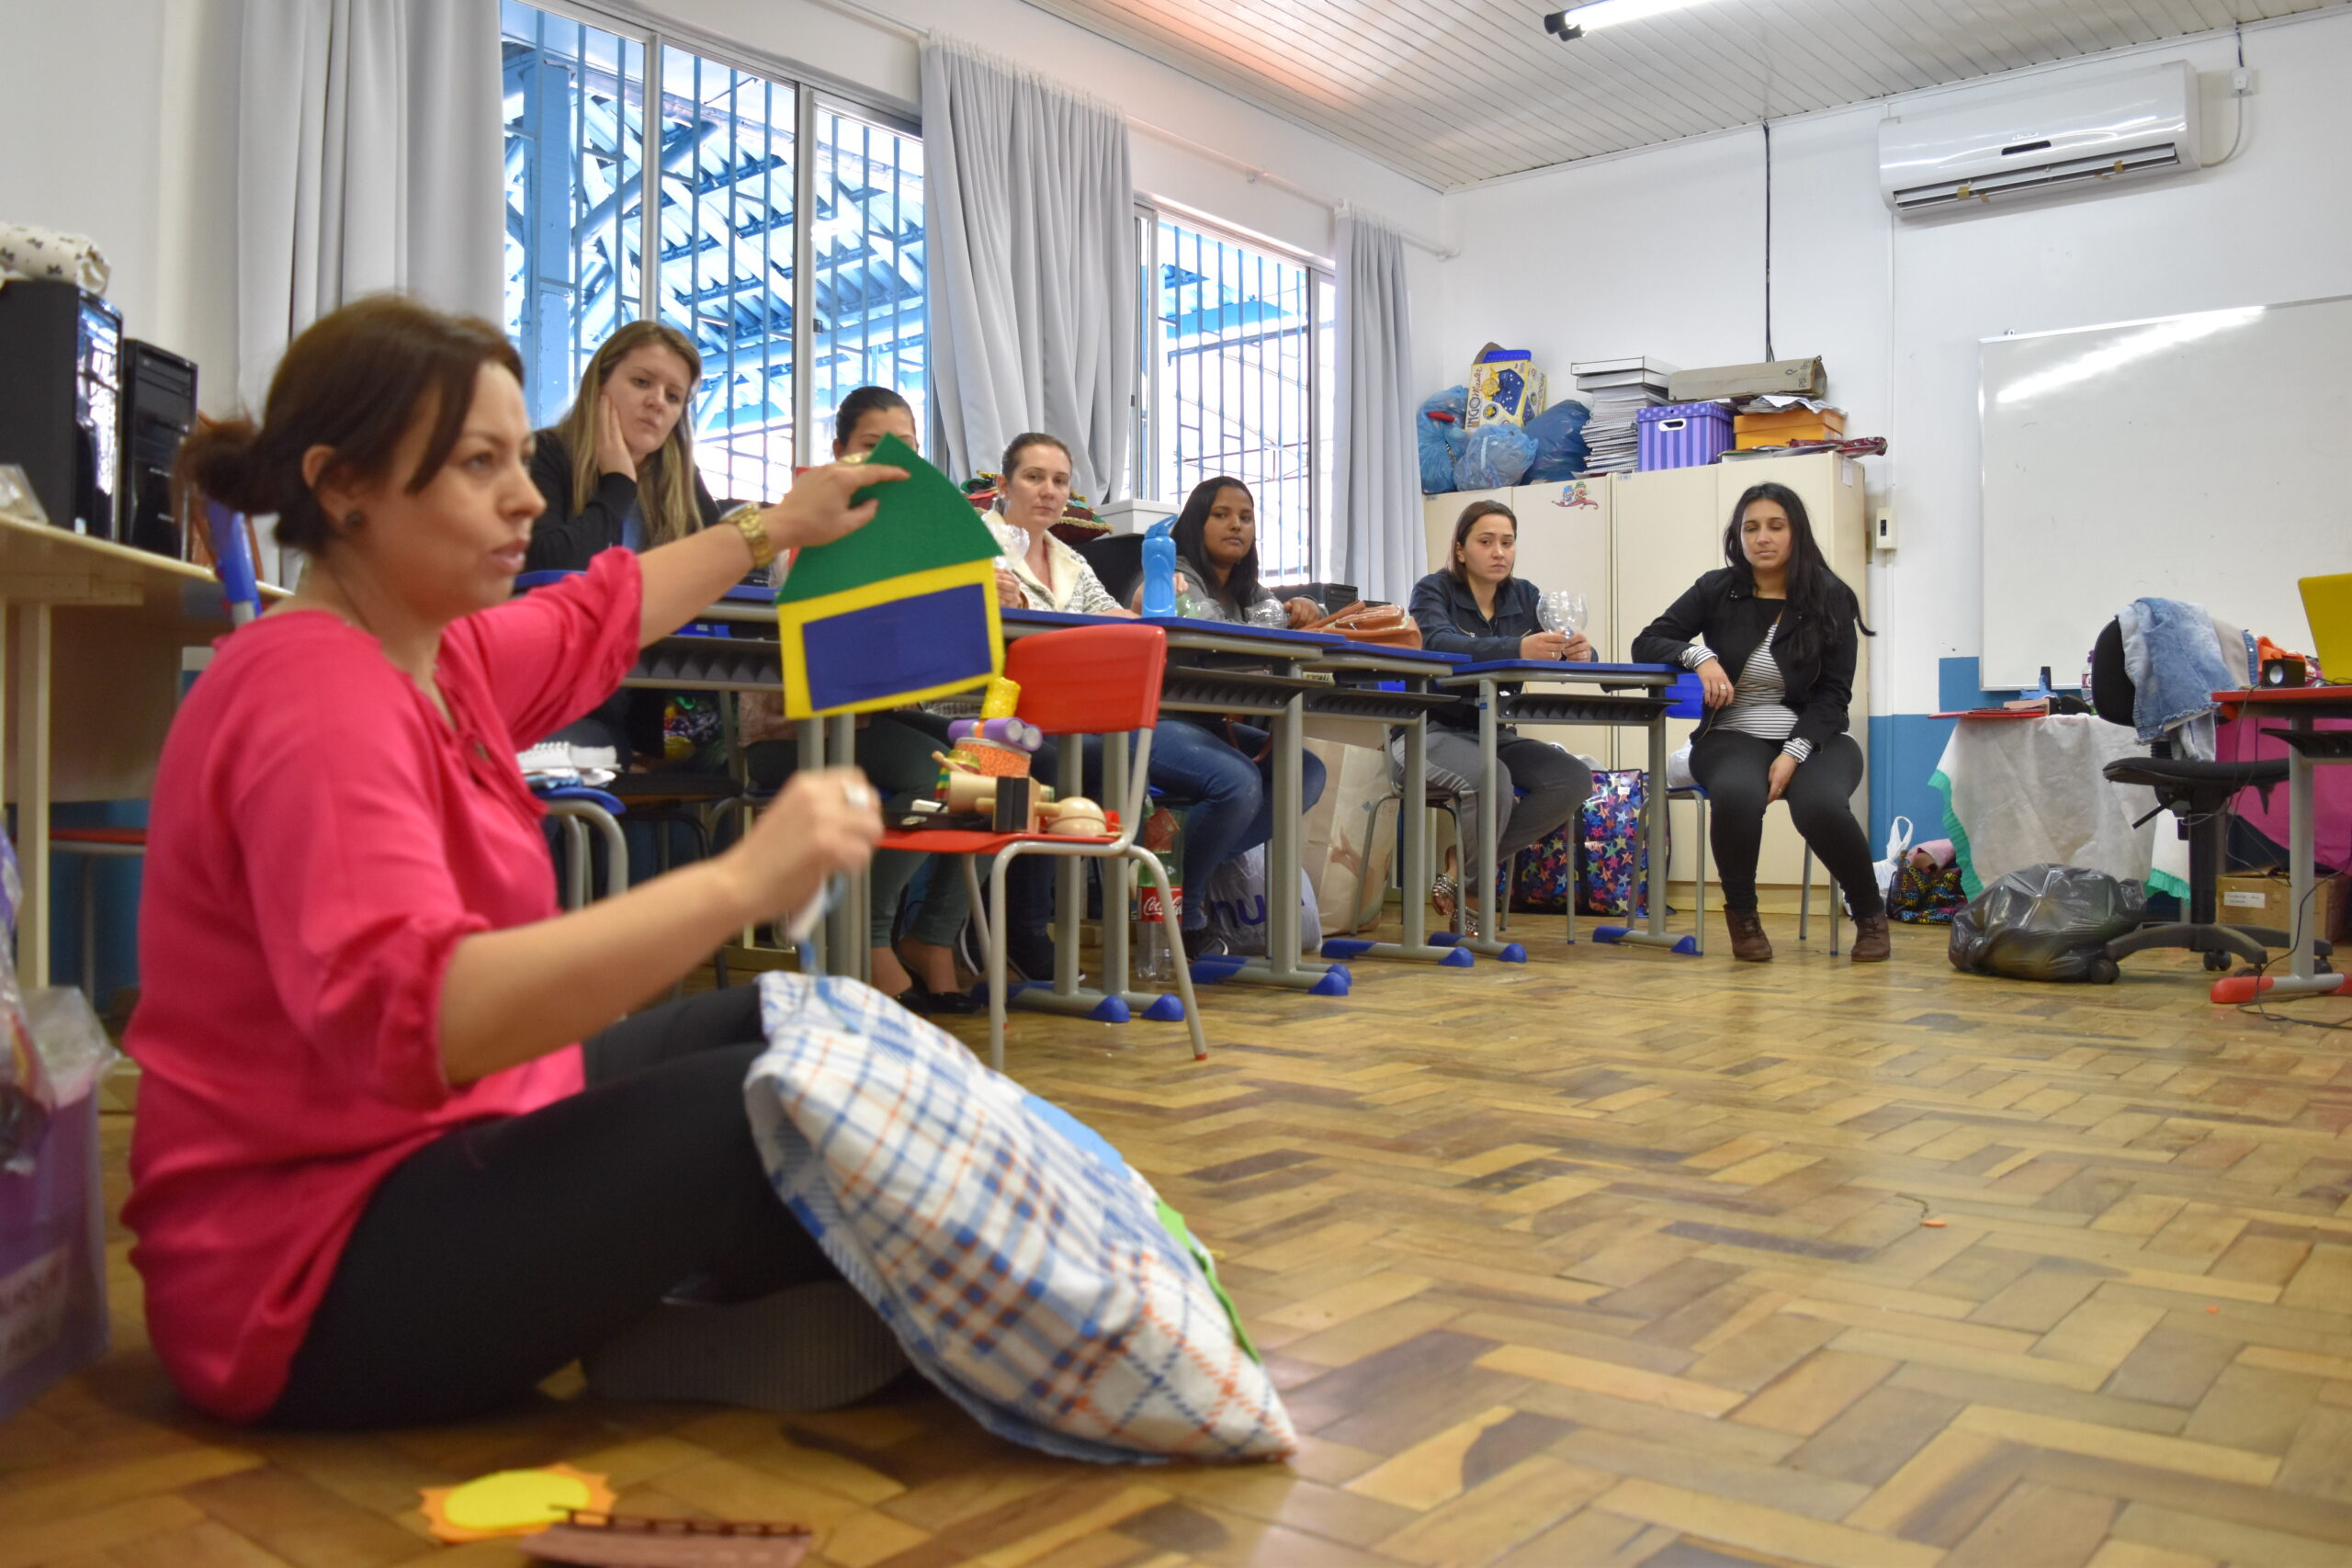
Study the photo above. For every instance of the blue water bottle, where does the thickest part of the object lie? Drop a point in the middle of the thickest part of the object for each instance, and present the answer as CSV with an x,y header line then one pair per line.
x,y
1160,567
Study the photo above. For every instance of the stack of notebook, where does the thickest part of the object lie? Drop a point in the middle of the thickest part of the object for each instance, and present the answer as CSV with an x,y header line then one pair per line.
x,y
1617,390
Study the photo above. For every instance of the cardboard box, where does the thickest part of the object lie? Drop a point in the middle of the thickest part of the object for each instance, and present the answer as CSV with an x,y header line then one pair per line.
x,y
1774,378
1505,387
1753,430
53,1258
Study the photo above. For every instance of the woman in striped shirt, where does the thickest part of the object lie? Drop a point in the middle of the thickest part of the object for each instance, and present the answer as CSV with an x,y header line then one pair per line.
x,y
1773,637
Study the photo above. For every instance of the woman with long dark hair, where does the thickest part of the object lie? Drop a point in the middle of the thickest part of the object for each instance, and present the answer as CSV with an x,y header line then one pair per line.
x,y
1216,553
1771,634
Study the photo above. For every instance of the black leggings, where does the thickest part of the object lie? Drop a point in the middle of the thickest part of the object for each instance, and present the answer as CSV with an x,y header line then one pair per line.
x,y
1733,768
500,1252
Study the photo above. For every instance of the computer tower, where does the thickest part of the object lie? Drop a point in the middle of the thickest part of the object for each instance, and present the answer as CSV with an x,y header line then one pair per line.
x,y
158,410
60,416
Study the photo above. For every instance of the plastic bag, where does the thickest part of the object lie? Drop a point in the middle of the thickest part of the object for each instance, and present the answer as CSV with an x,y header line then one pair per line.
x,y
1441,437
1560,451
2047,922
1236,905
1494,458
28,1098
1898,844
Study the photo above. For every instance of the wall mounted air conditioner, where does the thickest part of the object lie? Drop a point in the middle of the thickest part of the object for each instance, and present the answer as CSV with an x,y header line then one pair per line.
x,y
2050,140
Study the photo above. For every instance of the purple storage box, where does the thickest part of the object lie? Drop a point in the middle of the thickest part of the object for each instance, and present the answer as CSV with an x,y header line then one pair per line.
x,y
53,1258
1682,435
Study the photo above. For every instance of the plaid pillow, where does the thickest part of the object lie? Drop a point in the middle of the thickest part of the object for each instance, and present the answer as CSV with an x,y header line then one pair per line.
x,y
1032,1275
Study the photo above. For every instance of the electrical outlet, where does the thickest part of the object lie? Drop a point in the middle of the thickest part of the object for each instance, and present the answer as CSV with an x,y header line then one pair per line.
x,y
2242,82
1883,529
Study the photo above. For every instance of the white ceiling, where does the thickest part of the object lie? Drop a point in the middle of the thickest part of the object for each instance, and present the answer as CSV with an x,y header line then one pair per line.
x,y
1452,91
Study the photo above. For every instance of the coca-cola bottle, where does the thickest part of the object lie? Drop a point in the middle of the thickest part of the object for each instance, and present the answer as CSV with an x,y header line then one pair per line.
x,y
1158,945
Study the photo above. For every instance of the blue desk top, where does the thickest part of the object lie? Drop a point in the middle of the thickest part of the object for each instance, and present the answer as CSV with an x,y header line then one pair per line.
x,y
1175,624
1455,663
1558,667
741,593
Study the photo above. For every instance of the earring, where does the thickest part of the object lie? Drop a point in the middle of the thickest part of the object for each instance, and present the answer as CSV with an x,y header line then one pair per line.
x,y
354,519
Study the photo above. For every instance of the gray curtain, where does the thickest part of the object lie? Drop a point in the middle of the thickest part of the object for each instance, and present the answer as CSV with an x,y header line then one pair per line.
x,y
1032,256
1376,528
370,156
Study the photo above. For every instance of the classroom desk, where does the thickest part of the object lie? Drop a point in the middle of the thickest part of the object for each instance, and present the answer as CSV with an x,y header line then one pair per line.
x,y
2312,750
1604,706
1355,668
1217,667
99,629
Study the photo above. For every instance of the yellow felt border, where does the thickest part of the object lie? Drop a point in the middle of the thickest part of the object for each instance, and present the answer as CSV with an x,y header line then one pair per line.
x,y
794,620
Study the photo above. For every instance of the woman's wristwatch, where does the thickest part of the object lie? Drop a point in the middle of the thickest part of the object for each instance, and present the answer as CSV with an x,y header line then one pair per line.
x,y
746,518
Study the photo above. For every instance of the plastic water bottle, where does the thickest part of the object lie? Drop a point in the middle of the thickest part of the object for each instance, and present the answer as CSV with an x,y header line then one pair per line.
x,y
1160,567
1156,945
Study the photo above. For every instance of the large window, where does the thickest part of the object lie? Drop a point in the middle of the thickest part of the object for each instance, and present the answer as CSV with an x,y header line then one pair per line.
x,y
797,277
1238,347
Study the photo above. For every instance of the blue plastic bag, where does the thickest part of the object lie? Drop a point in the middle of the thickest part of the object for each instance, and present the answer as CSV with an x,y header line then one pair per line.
x,y
1494,458
1560,451
1441,439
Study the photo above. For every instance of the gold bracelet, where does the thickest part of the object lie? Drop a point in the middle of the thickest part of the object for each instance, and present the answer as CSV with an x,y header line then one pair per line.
x,y
746,519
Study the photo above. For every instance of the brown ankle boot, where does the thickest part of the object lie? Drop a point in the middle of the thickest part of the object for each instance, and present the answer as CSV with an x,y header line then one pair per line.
x,y
1870,945
1749,943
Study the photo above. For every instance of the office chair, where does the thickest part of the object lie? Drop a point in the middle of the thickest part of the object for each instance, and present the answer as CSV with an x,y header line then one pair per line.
x,y
2199,794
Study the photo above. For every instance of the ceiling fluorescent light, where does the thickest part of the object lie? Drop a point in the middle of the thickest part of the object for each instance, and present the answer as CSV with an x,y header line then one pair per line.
x,y
1578,20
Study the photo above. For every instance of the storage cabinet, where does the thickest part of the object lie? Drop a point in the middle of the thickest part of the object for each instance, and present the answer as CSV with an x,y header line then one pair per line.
x,y
1631,544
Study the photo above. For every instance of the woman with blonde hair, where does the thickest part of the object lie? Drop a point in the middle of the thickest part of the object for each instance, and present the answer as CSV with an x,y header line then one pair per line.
x,y
619,467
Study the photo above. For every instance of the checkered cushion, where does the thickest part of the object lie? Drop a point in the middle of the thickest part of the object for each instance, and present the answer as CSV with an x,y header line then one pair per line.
x,y
1031,1274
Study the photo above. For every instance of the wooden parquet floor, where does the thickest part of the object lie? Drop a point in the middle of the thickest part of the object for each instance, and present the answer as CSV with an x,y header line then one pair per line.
x,y
1617,1259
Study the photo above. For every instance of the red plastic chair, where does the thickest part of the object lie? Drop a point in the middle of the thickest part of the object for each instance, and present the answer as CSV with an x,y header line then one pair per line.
x,y
1086,681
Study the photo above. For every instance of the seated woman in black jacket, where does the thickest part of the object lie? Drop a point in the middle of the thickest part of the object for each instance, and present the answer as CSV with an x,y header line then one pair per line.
x,y
618,470
1478,608
1771,635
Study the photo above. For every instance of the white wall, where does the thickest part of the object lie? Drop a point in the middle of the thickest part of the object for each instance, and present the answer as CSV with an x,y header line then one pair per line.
x,y
1661,251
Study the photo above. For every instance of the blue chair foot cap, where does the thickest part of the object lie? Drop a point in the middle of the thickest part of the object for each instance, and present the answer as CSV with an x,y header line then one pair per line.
x,y
1445,938
1512,953
1215,971
1608,933
1110,1009
1167,1009
1334,983
1688,947
1460,958
1345,947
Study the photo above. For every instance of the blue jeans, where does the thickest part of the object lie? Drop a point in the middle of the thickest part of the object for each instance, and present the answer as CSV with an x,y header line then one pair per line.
x,y
1233,797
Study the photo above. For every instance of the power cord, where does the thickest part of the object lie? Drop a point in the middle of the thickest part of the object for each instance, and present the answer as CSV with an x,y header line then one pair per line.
x,y
2262,1011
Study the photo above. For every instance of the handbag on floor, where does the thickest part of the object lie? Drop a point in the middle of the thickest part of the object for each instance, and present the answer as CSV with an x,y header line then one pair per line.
x,y
1615,876
1026,1269
1547,870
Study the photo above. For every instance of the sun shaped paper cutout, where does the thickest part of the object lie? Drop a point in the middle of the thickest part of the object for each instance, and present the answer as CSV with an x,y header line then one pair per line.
x,y
512,1502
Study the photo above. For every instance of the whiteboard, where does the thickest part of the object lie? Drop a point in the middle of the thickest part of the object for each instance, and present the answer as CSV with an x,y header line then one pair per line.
x,y
2199,457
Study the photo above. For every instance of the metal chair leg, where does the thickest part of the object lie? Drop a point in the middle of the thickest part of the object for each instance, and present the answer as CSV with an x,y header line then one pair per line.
x,y
1804,897
1700,892
89,932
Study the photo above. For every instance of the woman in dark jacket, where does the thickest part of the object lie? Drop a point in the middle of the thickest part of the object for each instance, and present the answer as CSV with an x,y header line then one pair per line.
x,y
617,470
619,467
1771,635
1478,608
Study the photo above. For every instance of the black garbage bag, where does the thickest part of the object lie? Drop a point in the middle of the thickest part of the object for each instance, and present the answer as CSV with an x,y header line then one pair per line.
x,y
2047,922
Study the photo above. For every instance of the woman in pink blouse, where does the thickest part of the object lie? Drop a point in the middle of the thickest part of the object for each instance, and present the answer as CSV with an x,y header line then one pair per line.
x,y
374,1179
